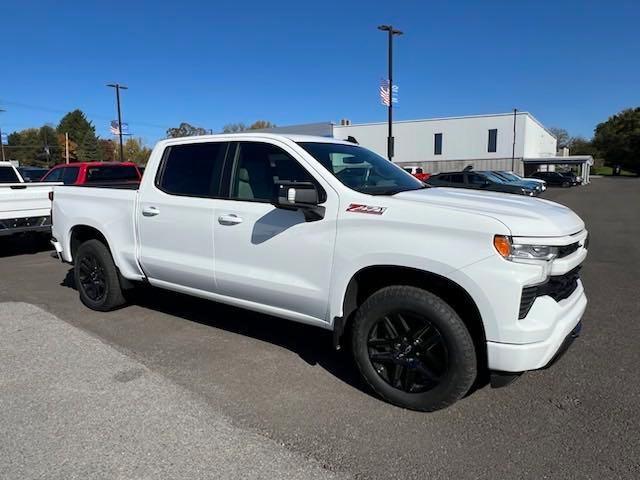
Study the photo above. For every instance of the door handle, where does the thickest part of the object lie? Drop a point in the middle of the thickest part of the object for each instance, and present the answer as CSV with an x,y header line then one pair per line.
x,y
230,219
150,211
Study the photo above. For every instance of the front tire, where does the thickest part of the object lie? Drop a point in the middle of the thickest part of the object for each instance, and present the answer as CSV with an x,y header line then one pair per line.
x,y
413,349
96,277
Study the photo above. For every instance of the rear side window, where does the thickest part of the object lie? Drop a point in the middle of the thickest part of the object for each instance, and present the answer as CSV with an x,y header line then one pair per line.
x,y
69,175
192,170
8,175
456,178
112,173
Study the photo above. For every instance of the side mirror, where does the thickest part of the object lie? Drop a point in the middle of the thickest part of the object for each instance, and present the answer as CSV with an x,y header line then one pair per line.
x,y
299,196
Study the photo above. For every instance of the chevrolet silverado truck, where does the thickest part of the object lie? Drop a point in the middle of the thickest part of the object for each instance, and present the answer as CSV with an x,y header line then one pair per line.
x,y
24,207
432,287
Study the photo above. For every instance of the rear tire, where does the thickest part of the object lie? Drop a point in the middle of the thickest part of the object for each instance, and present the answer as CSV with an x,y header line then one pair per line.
x,y
425,360
96,277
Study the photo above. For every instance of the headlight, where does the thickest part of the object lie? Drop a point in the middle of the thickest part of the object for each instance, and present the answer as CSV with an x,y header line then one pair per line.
x,y
522,252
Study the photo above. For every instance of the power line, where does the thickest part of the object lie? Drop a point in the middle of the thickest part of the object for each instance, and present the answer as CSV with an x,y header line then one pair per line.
x,y
63,112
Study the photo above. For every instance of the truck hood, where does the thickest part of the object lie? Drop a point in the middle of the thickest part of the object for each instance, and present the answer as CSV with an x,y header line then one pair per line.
x,y
524,216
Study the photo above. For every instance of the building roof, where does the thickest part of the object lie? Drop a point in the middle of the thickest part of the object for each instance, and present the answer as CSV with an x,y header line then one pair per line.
x,y
557,160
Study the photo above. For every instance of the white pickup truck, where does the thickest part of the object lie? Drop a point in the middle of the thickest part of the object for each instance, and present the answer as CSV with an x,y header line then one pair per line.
x,y
24,207
435,286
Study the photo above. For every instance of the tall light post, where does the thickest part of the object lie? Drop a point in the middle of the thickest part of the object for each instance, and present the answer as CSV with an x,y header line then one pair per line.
x,y
118,87
1,142
513,146
391,32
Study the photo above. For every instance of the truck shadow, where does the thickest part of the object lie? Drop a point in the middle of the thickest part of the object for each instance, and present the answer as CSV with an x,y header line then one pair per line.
x,y
312,344
25,244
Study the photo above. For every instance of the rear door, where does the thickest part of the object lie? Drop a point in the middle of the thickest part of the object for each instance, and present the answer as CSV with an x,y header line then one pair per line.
x,y
269,255
176,215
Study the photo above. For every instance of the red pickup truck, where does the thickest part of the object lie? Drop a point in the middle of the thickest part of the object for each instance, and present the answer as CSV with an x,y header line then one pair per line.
x,y
83,173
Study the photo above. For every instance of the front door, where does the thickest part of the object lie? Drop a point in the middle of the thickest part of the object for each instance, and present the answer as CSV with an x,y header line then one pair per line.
x,y
176,217
269,255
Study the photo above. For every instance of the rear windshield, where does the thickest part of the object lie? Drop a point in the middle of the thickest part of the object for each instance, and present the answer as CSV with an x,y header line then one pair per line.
x,y
112,173
8,175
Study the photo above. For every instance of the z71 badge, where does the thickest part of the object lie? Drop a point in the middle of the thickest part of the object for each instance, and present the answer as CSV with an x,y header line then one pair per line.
x,y
358,208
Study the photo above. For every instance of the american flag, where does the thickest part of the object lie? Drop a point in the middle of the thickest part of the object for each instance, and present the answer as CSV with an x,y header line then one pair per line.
x,y
386,95
115,130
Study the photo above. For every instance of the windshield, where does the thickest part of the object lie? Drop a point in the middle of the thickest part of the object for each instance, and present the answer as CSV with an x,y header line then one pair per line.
x,y
510,176
496,177
361,169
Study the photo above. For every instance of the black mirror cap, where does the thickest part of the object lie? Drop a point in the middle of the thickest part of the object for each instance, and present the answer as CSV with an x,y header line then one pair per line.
x,y
299,196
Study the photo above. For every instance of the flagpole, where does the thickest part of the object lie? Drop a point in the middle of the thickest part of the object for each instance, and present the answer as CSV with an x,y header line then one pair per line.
x,y
391,33
117,86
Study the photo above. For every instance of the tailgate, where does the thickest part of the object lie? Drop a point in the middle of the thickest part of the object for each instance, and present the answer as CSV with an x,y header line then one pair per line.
x,y
19,200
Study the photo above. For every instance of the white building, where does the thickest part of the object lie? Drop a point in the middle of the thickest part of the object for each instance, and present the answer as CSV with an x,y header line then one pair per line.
x,y
452,143
487,142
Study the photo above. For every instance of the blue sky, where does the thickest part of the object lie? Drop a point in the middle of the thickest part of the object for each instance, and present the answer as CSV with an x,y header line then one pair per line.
x,y
570,63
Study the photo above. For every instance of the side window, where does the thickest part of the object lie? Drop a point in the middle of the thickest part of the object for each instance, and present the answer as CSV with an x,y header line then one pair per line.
x,y
54,176
475,179
493,140
456,178
259,166
192,170
69,175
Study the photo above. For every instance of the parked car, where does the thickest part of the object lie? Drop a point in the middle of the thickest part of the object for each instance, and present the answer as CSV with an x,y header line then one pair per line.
x,y
24,207
535,182
480,181
82,173
432,283
417,172
552,178
572,177
32,174
500,177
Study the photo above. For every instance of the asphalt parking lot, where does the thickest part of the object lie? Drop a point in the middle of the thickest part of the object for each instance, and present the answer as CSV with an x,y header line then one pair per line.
x,y
282,381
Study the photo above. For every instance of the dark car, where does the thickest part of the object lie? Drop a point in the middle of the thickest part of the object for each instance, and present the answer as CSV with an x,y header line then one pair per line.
x,y
508,177
553,178
572,177
478,181
32,174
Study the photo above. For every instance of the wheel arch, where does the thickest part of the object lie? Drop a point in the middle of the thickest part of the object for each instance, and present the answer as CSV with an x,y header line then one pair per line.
x,y
370,279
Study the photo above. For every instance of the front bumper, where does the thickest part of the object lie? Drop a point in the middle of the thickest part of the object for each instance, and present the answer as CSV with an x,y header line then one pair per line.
x,y
509,357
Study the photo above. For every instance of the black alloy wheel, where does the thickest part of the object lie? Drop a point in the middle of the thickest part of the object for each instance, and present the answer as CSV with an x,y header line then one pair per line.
x,y
92,277
408,352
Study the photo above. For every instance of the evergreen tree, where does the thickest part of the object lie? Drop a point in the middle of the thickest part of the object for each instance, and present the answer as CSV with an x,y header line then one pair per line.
x,y
89,150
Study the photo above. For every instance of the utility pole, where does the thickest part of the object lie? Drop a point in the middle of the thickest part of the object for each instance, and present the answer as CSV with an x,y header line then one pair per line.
x,y
391,32
66,147
1,142
513,147
118,87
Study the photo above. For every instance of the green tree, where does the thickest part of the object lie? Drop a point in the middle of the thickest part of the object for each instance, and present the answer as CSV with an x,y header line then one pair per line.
x,y
618,139
88,149
261,124
34,146
76,125
582,146
562,136
234,128
135,151
185,130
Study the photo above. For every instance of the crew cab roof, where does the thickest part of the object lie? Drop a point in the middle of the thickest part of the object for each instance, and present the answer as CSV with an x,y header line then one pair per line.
x,y
253,135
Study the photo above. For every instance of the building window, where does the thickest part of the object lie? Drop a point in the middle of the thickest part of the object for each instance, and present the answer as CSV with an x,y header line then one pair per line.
x,y
493,140
437,144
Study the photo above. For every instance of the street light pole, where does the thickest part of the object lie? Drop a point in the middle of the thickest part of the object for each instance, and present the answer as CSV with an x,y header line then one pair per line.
x,y
391,32
513,146
117,86
1,142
